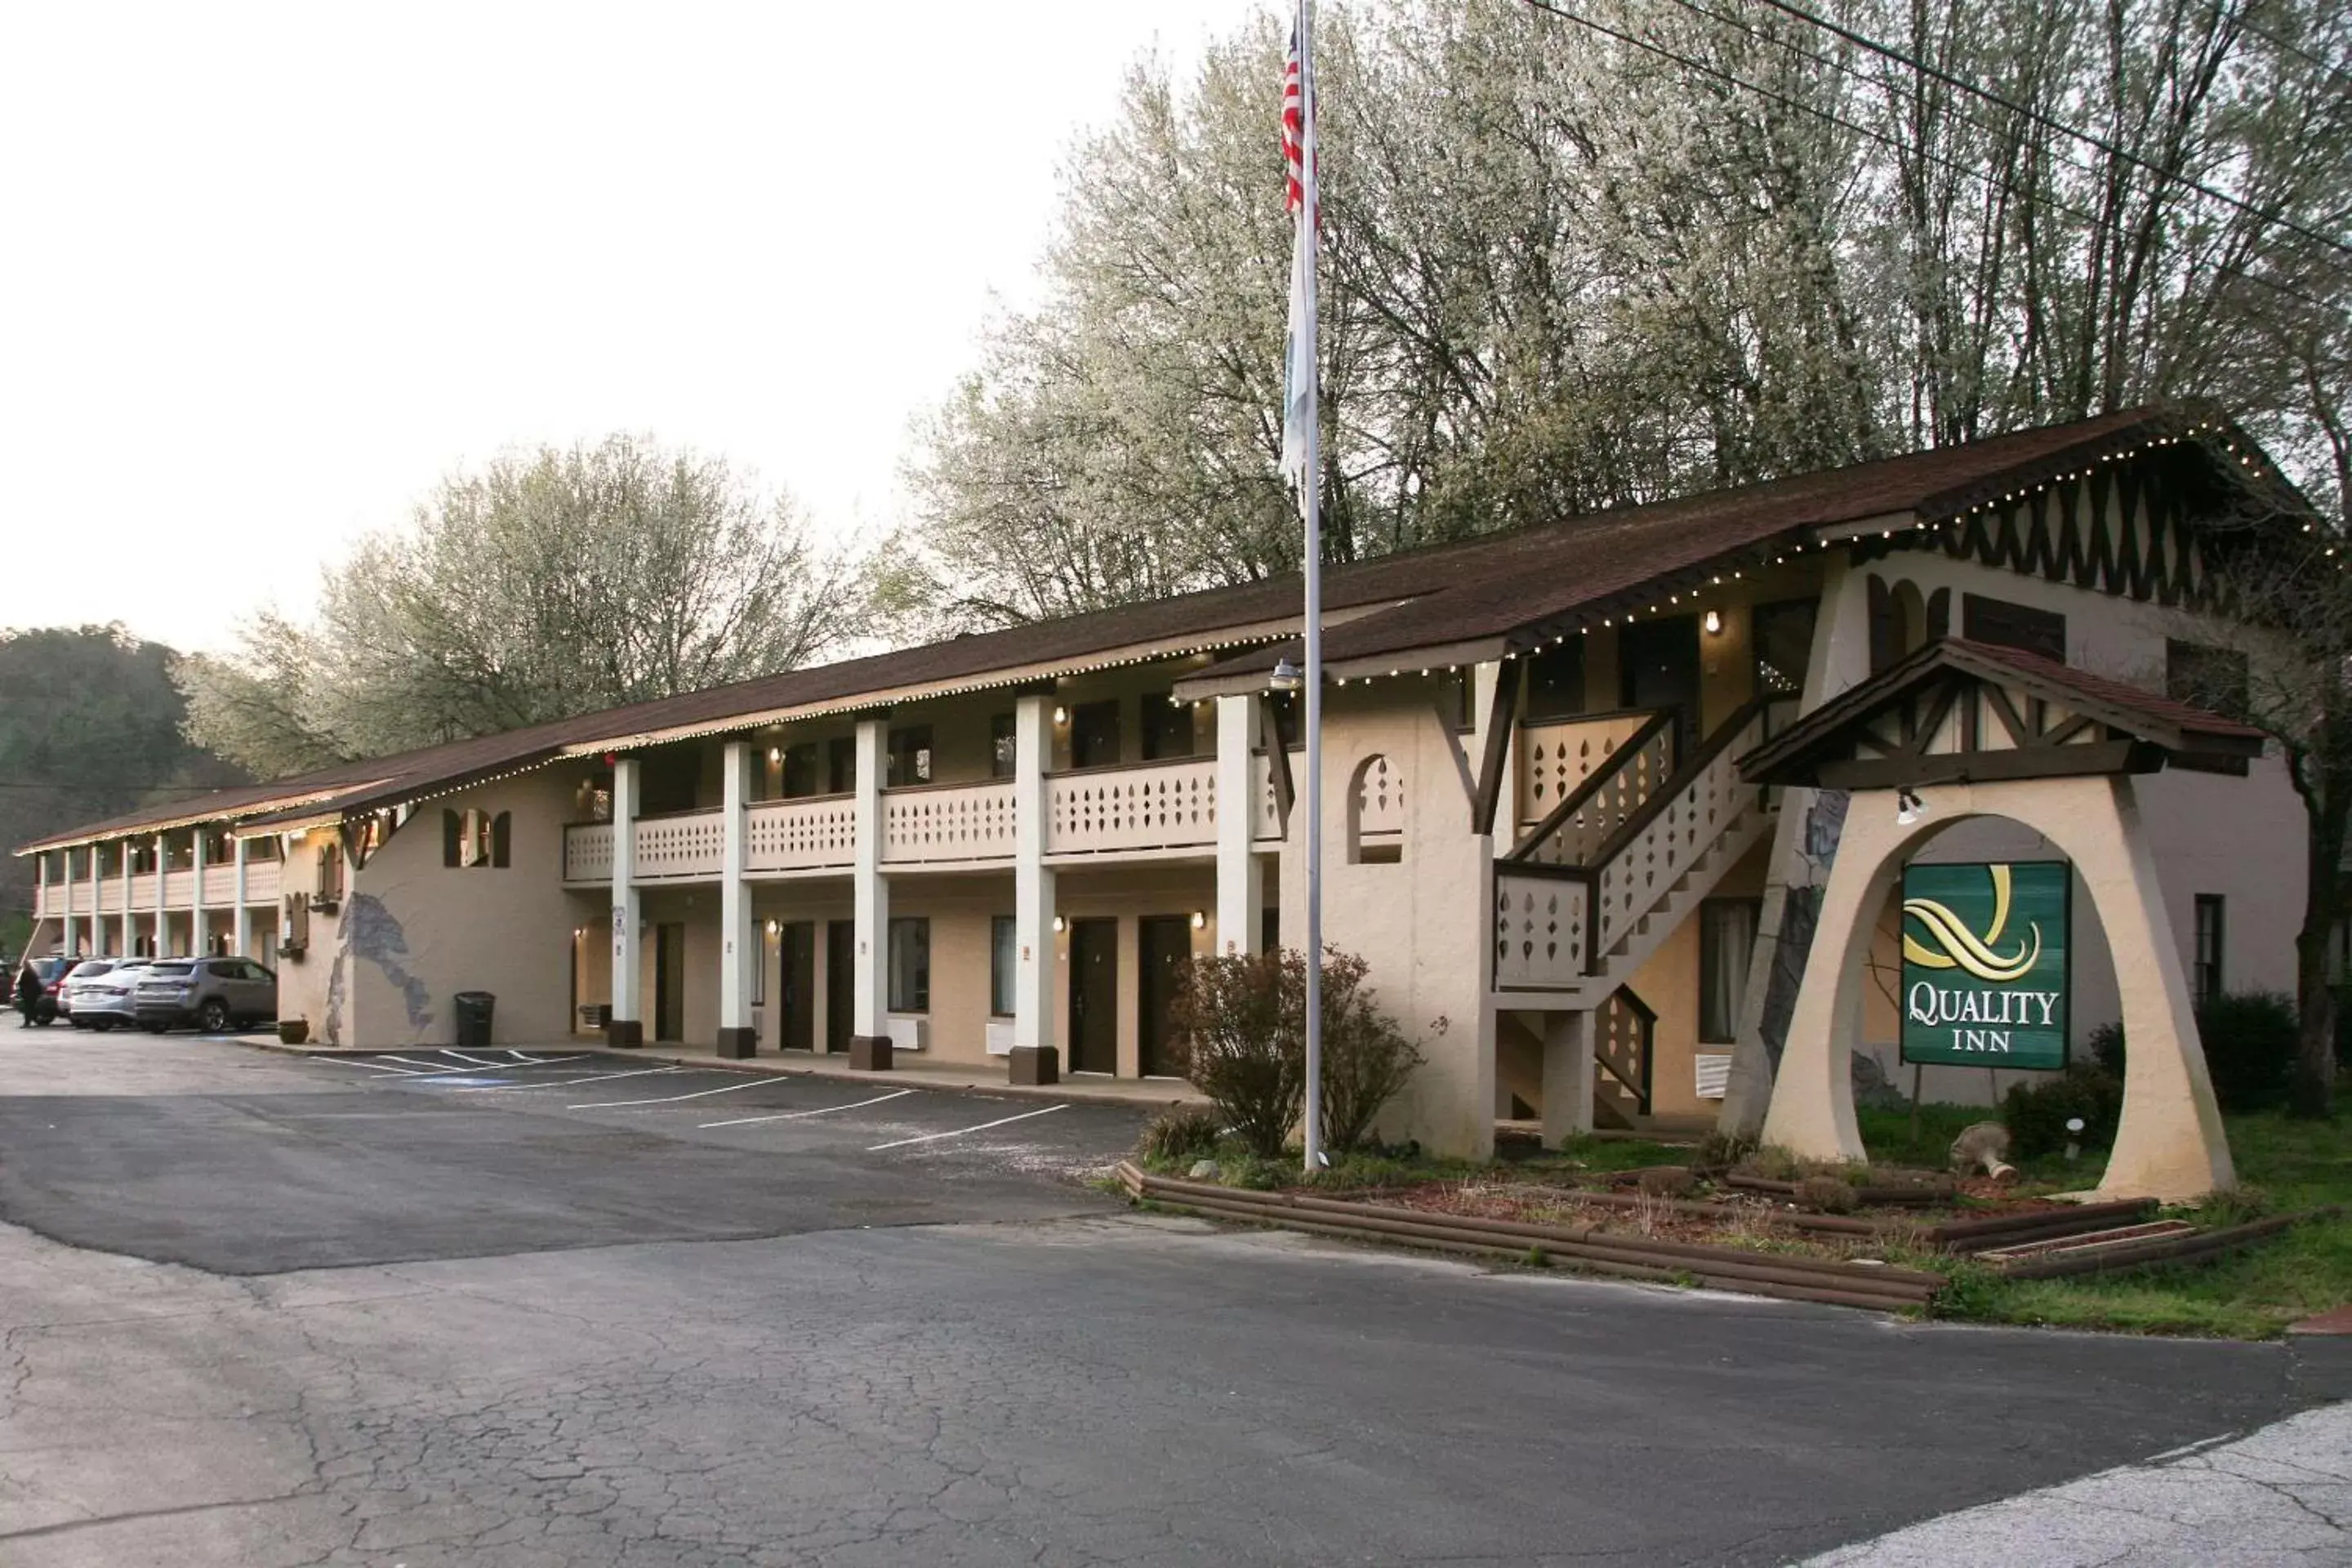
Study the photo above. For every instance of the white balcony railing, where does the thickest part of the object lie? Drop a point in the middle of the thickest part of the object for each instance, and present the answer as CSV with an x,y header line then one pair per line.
x,y
1543,924
1556,759
1155,805
220,886
588,852
1266,808
805,835
180,889
930,824
261,880
690,845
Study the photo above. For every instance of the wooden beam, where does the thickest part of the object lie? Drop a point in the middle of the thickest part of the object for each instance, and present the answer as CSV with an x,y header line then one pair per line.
x,y
2005,711
1269,734
1987,767
1501,717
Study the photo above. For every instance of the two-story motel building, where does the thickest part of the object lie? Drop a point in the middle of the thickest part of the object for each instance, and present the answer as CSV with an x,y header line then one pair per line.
x,y
1003,845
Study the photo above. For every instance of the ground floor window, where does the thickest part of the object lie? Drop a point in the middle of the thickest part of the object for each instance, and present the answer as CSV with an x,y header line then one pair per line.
x,y
910,965
1727,937
2206,979
1001,951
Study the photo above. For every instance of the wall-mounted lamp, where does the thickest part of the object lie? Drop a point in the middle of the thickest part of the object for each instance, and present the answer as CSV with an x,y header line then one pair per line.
x,y
1713,622
775,926
1908,807
1200,920
1061,715
1061,924
1286,677
578,932
775,753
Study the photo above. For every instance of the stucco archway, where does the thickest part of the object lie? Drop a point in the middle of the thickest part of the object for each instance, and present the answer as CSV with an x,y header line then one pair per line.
x,y
2170,1142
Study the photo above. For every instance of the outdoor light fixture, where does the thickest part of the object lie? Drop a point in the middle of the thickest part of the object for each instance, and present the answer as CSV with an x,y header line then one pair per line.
x,y
1061,715
773,927
1713,622
1908,807
1286,676
775,753
1200,920
1061,924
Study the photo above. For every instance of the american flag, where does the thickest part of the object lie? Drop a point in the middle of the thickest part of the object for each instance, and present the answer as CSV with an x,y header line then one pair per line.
x,y
1294,128
1300,168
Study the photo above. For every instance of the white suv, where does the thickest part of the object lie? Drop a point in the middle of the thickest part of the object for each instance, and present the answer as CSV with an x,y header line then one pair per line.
x,y
99,993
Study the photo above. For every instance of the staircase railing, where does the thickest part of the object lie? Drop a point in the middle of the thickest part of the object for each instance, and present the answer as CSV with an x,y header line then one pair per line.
x,y
1624,1030
1556,917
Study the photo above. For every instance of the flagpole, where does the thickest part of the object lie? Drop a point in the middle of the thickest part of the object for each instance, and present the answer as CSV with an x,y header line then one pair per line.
x,y
1310,509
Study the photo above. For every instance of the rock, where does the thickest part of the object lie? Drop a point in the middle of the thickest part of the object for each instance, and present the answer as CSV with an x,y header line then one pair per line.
x,y
1872,1091
1827,1194
1984,1146
1668,1181
1203,1170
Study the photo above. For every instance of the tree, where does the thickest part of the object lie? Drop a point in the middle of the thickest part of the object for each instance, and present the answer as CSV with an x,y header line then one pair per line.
x,y
1567,268
91,730
548,584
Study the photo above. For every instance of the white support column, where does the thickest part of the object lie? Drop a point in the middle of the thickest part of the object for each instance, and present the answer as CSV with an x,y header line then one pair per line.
x,y
162,880
738,945
1567,1077
97,920
241,923
628,1028
199,928
1036,1057
869,1041
129,932
1241,875
66,891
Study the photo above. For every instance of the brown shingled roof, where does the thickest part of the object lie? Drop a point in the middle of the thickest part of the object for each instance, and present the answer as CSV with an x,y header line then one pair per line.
x,y
1480,593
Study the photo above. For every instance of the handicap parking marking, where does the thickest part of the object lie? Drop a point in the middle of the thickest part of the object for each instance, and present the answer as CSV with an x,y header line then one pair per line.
x,y
797,1115
597,1078
958,1132
673,1098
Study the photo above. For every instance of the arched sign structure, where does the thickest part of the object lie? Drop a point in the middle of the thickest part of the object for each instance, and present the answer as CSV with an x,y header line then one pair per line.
x,y
1994,731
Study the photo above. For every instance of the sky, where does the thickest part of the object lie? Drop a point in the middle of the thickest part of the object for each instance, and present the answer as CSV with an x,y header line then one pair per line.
x,y
267,273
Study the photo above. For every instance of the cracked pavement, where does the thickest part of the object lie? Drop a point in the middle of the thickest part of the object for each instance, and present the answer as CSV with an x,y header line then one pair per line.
x,y
1075,1384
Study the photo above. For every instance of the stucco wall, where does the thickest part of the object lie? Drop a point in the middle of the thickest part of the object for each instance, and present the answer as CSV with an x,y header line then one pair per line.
x,y
417,931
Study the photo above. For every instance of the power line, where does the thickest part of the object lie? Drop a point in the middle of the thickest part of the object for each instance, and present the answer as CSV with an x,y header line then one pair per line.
x,y
2048,121
2047,202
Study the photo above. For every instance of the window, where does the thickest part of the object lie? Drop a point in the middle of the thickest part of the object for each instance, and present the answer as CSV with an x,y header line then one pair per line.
x,y
1003,954
909,756
1167,727
841,764
2206,978
2013,625
1783,637
470,837
1727,938
330,883
1094,734
1004,746
2205,676
910,965
763,954
1556,681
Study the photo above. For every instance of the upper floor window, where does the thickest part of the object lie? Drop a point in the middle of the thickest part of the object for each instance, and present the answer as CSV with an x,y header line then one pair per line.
x,y
1167,727
2204,675
473,837
841,764
1003,746
1556,681
910,756
799,772
1094,734
2019,626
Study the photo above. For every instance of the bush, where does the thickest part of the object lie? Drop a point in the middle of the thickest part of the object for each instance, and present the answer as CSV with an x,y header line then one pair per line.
x,y
1240,1027
1237,1026
1827,1194
1366,1057
1180,1133
2250,1039
2036,1114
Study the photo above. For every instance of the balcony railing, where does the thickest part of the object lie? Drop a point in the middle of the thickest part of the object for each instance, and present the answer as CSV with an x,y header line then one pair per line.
x,y
1151,806
928,824
688,845
220,886
813,833
588,852
261,880
1557,760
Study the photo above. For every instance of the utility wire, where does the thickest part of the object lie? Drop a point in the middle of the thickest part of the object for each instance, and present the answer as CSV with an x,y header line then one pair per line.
x,y
2048,121
2048,203
2221,12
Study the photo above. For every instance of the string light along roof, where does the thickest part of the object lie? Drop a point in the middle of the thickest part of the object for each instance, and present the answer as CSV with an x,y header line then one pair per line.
x,y
1495,596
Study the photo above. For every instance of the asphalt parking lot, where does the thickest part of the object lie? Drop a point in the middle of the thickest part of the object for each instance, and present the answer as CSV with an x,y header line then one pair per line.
x,y
403,1156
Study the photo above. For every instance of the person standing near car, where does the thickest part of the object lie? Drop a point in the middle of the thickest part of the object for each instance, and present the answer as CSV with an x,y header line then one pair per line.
x,y
29,995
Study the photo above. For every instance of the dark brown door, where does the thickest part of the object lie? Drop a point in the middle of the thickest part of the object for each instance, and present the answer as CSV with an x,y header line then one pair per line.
x,y
670,983
796,983
840,961
1657,667
1094,995
1163,947
1094,734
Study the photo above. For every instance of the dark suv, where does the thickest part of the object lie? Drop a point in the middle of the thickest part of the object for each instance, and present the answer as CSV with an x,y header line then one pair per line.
x,y
213,994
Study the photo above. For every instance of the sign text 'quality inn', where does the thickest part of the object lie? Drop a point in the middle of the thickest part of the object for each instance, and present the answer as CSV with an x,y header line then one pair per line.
x,y
1984,963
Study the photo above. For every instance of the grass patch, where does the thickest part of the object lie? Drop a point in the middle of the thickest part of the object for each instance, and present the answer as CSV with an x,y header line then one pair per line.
x,y
2252,1295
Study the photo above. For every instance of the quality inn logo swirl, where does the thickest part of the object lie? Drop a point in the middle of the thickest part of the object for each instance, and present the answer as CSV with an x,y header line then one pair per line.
x,y
1958,947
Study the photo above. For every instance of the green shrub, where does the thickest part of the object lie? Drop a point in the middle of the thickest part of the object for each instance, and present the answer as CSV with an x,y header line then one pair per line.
x,y
1180,1133
2036,1114
1237,1027
1827,1194
1366,1057
2250,1039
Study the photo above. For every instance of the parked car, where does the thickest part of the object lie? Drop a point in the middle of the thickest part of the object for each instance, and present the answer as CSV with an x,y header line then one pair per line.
x,y
98,993
37,1003
213,994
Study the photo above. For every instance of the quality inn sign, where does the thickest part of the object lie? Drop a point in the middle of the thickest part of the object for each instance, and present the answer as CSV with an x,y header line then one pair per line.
x,y
1984,963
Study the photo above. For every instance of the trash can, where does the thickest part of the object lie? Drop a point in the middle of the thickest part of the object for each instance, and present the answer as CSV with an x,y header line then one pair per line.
x,y
474,1017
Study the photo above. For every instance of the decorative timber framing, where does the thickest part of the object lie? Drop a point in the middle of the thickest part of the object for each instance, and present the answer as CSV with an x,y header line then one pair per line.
x,y
1967,712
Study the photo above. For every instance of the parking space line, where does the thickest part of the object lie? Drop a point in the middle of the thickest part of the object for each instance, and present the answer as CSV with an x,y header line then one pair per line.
x,y
935,1137
529,1060
796,1115
674,1099
435,1067
373,1067
473,1061
571,1082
